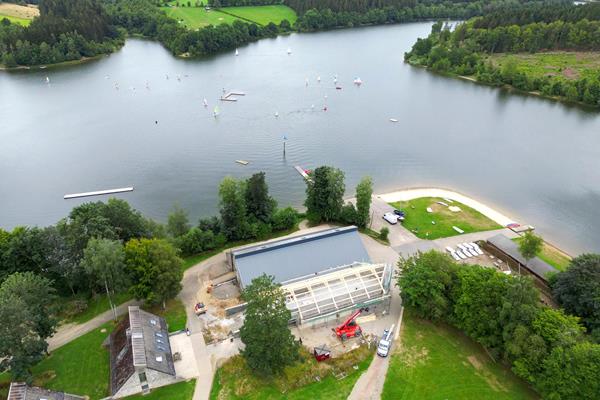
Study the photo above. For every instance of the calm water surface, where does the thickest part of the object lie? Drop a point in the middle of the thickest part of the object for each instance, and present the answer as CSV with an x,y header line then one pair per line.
x,y
536,160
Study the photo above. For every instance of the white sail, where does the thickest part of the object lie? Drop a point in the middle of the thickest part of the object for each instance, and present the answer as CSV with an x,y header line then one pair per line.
x,y
205,102
216,111
289,50
237,53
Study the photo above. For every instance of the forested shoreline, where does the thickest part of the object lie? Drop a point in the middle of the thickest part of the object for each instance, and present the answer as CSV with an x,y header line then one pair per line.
x,y
472,48
69,30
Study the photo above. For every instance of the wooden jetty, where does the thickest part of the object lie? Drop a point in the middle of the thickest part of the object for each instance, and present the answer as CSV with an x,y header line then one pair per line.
x,y
98,193
243,162
231,96
302,172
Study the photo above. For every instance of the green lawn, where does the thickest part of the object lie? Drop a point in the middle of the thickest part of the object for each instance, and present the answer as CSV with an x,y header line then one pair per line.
x,y
438,362
95,306
564,65
177,391
235,381
419,221
16,20
174,314
262,15
552,256
79,367
198,17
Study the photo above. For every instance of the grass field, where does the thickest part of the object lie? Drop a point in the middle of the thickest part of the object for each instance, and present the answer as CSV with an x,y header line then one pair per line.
x,y
419,221
438,362
553,256
18,14
79,367
177,391
564,65
174,314
235,381
198,17
262,15
95,306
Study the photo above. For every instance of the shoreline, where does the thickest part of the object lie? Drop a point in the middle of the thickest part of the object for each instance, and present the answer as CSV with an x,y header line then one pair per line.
x,y
414,193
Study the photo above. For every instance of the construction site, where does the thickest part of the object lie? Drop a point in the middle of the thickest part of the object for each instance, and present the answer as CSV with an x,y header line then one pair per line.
x,y
337,296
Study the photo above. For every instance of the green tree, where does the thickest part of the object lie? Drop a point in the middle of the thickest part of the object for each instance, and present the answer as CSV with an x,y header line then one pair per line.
x,y
364,191
258,202
104,261
269,343
425,283
178,223
325,194
38,295
233,209
384,233
529,246
155,270
578,290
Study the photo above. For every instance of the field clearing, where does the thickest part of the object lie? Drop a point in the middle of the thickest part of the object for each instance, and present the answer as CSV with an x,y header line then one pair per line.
x,y
439,362
18,14
234,380
262,15
563,65
419,221
198,17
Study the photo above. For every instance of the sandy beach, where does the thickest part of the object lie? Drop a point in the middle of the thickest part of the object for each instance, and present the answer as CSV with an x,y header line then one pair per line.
x,y
409,194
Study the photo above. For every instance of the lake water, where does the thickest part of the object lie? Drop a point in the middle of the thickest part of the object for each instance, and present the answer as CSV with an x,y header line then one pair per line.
x,y
536,160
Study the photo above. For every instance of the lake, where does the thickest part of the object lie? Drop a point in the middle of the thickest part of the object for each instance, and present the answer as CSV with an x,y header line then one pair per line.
x,y
118,121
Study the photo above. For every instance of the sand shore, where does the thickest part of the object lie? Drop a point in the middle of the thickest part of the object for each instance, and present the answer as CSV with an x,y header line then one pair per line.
x,y
409,194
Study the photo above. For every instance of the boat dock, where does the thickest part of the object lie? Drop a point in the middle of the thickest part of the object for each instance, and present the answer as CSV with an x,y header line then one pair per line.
x,y
231,96
98,193
302,172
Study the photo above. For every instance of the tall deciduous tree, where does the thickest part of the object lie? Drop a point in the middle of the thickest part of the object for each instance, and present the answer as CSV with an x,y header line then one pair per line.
x,y
104,261
578,290
425,283
325,194
529,246
233,209
258,202
155,270
178,222
364,191
269,343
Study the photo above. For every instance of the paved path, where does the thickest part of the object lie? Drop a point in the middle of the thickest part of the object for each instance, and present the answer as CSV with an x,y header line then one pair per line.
x,y
68,332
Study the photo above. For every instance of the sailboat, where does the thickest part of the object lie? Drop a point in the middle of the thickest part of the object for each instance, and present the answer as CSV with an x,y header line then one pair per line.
x,y
216,111
276,114
358,81
289,51
237,53
47,80
205,102
319,79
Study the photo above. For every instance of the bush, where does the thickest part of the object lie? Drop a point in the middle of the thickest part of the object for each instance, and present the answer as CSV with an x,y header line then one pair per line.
x,y
383,233
349,214
285,218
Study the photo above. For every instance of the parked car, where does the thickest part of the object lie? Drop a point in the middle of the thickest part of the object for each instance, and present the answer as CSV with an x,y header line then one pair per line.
x,y
391,218
401,214
200,309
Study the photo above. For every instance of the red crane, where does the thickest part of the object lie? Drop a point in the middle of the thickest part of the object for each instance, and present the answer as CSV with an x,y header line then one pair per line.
x,y
349,328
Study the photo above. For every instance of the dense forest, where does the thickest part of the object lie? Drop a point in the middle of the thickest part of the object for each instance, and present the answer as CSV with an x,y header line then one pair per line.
x,y
466,50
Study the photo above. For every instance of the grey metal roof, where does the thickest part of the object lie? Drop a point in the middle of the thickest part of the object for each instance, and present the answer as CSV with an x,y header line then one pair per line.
x,y
150,341
536,266
20,391
300,256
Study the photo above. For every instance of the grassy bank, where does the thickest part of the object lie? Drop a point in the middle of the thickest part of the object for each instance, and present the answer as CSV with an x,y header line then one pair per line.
x,y
177,391
439,362
198,17
234,380
419,221
564,65
552,256
15,20
18,14
93,307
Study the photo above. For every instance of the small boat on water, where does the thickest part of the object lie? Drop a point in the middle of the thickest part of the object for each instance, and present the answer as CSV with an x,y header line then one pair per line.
x,y
216,111
338,87
237,53
358,82
205,102
276,114
47,80
243,162
319,79
289,51
393,120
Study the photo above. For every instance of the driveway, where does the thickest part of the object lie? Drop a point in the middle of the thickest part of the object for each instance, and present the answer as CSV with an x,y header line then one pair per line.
x,y
398,234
